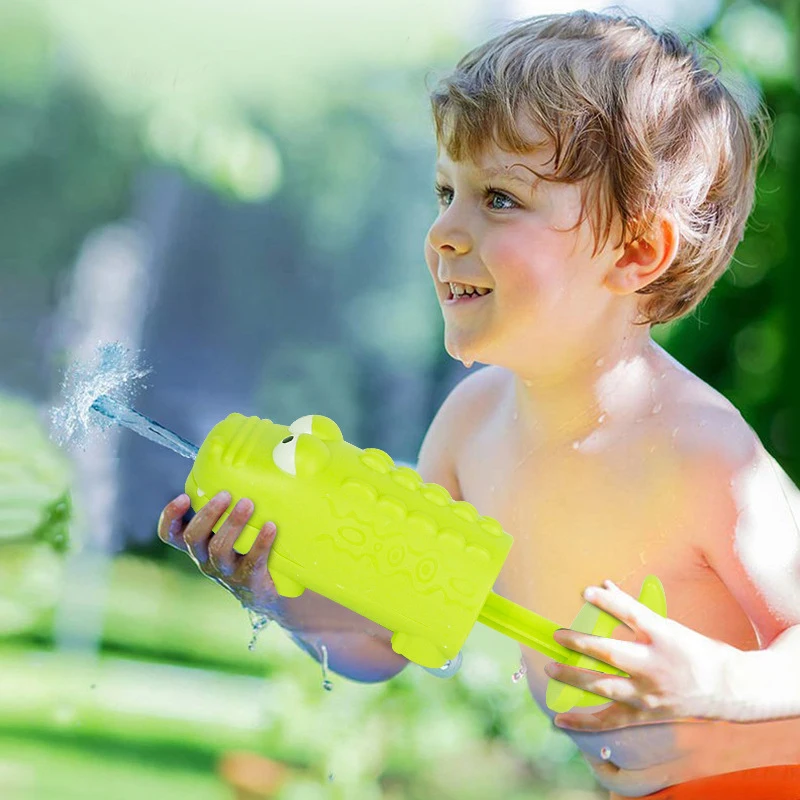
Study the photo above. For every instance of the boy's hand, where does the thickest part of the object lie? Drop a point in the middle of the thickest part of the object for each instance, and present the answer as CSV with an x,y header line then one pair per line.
x,y
245,576
675,672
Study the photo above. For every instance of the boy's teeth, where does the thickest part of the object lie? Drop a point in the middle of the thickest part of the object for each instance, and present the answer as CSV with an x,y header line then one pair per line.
x,y
465,288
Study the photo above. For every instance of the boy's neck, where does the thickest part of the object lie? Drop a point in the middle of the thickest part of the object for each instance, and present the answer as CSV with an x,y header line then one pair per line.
x,y
608,385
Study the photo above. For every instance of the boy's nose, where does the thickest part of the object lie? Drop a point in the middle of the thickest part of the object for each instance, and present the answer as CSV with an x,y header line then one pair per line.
x,y
447,237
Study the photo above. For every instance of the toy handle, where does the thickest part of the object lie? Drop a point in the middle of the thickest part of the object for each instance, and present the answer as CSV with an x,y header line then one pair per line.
x,y
562,697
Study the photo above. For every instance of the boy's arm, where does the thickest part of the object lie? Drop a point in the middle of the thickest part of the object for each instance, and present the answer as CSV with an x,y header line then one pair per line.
x,y
356,647
752,542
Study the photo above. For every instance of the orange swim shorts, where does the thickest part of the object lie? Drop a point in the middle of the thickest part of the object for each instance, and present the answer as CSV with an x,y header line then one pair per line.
x,y
763,783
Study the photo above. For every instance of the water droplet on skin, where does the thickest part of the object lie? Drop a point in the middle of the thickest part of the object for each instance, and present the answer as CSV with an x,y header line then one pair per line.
x,y
605,753
657,408
599,362
576,445
601,419
467,363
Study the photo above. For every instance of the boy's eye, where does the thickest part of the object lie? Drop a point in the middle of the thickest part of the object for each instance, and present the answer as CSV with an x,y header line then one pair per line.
x,y
503,197
443,194
498,201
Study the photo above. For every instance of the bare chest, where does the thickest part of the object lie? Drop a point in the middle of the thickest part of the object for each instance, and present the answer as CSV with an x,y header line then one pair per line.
x,y
587,514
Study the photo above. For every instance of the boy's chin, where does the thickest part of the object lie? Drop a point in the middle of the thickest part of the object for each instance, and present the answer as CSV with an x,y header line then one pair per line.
x,y
468,354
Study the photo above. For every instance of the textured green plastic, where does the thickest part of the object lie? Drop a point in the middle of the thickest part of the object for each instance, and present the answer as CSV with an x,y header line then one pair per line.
x,y
373,537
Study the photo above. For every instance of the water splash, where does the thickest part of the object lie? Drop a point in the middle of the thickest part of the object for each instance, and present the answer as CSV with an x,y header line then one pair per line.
x,y
114,371
97,394
517,676
605,753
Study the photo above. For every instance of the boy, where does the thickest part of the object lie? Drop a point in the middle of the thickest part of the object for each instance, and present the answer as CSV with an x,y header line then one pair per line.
x,y
583,437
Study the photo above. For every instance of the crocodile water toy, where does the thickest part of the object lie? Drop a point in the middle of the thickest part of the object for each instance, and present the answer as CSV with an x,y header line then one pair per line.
x,y
373,537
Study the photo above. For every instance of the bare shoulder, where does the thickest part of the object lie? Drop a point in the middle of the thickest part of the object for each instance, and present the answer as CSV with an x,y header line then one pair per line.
x,y
464,408
708,431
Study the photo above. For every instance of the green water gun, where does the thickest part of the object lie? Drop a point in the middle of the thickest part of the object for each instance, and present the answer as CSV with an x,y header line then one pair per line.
x,y
373,537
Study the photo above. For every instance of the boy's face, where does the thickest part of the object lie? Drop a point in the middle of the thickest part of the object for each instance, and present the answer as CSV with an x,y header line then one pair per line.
x,y
499,228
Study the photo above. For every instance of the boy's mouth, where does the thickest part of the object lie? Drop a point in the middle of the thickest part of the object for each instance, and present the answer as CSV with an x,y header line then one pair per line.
x,y
464,293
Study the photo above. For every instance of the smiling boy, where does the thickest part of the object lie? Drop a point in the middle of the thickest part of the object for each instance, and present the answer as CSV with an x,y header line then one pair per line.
x,y
594,180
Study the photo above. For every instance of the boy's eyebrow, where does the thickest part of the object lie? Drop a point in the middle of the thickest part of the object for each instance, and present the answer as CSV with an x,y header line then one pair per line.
x,y
506,174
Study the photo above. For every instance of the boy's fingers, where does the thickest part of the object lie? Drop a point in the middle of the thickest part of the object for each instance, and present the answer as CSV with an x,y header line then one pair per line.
x,y
170,523
221,554
199,529
255,560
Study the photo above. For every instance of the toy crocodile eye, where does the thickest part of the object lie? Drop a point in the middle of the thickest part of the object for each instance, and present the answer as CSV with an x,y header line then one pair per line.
x,y
284,455
301,455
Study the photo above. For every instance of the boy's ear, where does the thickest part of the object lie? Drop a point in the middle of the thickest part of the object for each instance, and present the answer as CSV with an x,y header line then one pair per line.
x,y
646,258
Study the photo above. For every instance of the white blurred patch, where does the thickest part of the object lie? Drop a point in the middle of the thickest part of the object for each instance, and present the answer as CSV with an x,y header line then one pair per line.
x,y
767,537
688,15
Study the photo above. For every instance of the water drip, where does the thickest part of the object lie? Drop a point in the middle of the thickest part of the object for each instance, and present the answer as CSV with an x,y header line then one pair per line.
x,y
259,622
517,676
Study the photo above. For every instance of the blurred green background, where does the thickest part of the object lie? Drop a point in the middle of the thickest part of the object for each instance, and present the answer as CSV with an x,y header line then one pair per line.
x,y
241,189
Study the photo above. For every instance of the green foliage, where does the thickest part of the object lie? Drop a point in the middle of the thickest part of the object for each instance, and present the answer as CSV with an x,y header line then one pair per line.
x,y
54,527
36,479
